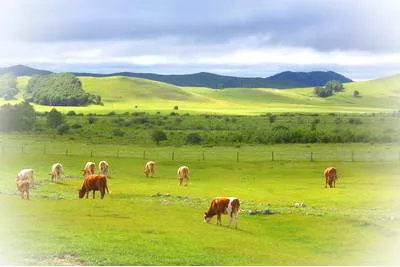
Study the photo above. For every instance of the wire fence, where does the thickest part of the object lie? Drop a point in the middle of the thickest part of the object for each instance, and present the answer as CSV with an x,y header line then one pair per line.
x,y
204,154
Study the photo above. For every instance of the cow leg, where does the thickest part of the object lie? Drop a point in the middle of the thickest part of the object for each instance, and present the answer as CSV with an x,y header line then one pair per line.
x,y
94,191
236,220
219,219
230,219
87,194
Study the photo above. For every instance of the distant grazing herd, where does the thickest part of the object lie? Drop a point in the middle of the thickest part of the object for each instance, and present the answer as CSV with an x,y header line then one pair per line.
x,y
98,182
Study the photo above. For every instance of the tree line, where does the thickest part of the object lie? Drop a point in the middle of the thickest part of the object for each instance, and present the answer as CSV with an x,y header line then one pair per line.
x,y
60,89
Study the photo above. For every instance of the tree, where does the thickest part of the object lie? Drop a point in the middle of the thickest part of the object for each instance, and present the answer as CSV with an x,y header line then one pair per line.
x,y
8,86
193,138
356,93
60,89
19,117
54,118
334,85
158,136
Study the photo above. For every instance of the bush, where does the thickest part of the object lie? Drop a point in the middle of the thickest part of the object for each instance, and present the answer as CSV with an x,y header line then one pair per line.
x,y
63,129
193,138
91,120
118,132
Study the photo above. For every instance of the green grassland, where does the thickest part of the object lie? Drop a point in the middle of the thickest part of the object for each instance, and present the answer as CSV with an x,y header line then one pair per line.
x,y
123,94
356,223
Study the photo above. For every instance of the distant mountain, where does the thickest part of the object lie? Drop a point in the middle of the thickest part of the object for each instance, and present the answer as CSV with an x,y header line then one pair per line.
x,y
281,80
307,79
22,70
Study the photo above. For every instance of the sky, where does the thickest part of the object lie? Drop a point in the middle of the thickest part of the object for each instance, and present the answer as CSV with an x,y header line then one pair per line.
x,y
246,38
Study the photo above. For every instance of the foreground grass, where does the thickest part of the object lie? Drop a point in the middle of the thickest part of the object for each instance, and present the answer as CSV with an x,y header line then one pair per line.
x,y
358,220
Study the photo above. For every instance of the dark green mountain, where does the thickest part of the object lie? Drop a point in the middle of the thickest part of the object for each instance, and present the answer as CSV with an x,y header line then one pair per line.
x,y
22,70
281,80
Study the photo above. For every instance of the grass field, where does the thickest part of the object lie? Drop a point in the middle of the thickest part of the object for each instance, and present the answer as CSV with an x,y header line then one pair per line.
x,y
125,94
356,223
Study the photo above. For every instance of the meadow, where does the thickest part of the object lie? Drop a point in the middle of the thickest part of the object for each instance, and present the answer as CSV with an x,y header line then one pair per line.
x,y
244,152
153,221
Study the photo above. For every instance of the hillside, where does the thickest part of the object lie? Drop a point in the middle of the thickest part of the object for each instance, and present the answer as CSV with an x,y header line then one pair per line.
x,y
281,80
21,70
121,94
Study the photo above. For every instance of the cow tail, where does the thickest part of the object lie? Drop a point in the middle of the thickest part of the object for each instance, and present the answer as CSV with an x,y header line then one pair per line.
x,y
108,192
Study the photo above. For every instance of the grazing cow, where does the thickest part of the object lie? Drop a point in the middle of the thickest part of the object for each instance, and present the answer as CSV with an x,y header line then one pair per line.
x,y
89,168
56,171
330,177
150,168
223,205
95,182
23,187
183,174
103,166
26,174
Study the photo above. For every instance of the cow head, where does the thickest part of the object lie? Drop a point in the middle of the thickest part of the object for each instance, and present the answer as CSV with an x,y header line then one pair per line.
x,y
81,193
206,218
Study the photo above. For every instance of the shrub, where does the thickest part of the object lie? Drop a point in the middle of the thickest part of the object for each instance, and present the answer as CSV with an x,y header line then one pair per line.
x,y
91,120
193,138
63,129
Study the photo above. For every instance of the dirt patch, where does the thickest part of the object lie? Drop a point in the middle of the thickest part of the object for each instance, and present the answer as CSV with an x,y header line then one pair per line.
x,y
63,260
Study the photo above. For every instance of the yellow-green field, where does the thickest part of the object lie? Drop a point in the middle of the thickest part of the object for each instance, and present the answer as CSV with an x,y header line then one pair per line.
x,y
153,221
123,94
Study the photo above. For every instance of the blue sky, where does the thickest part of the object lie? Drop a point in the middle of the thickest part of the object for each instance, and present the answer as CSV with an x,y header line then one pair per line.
x,y
252,38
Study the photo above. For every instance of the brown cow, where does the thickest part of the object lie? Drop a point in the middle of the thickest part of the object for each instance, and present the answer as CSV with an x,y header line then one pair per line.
x,y
330,177
223,205
94,182
150,168
23,187
183,174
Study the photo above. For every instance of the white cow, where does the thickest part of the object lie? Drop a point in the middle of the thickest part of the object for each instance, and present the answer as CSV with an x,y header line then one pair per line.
x,y
150,168
183,174
56,171
89,168
26,174
103,167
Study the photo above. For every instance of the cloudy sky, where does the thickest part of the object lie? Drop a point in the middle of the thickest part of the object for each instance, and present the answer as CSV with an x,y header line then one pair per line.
x,y
248,38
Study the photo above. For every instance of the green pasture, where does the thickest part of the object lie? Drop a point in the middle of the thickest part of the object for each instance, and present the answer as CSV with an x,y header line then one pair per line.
x,y
126,94
152,221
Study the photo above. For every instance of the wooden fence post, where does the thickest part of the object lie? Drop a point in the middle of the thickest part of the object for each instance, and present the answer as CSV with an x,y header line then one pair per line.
x,y
91,153
352,155
173,155
311,156
272,156
237,156
144,154
203,156
117,152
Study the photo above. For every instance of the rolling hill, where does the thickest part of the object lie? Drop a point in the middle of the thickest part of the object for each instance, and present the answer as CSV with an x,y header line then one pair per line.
x,y
281,80
121,94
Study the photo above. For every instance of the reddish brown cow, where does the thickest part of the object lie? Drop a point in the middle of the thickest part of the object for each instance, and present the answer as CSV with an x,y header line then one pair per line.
x,y
223,205
95,182
23,187
330,177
